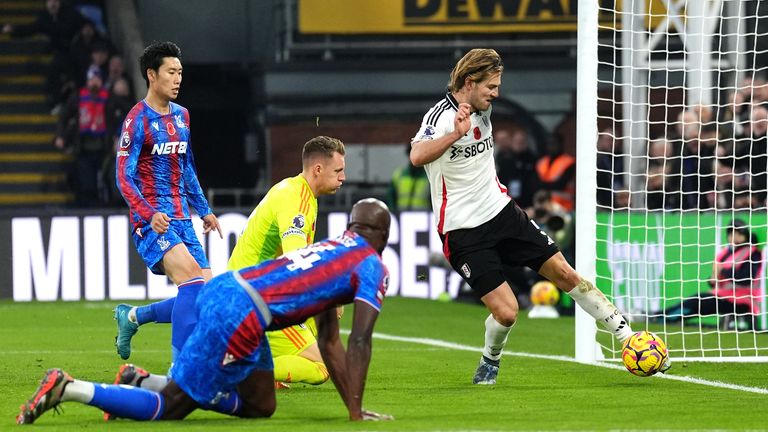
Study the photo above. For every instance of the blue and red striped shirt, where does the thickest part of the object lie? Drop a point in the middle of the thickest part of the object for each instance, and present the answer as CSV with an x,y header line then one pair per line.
x,y
155,166
305,282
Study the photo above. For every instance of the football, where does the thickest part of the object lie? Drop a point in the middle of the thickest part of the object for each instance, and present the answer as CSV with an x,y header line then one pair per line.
x,y
544,293
644,353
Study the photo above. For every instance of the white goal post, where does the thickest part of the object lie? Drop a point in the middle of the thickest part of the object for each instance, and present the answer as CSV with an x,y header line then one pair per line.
x,y
672,154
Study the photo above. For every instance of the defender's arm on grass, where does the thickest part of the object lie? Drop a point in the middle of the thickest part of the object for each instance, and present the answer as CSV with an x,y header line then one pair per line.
x,y
348,369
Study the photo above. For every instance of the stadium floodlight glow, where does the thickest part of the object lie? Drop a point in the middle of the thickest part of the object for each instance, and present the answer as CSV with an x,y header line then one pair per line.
x,y
672,119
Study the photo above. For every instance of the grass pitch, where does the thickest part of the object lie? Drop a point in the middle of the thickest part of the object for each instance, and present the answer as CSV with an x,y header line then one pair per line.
x,y
424,356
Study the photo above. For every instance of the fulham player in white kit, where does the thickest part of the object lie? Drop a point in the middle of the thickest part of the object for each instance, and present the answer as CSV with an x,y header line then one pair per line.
x,y
480,226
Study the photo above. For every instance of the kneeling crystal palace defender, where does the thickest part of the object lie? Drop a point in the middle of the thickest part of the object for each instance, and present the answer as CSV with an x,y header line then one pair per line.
x,y
480,226
226,364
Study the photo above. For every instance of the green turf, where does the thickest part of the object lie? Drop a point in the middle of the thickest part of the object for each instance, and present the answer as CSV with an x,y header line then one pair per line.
x,y
426,388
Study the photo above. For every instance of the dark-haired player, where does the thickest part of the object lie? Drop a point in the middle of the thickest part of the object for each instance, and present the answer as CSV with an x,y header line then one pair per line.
x,y
156,176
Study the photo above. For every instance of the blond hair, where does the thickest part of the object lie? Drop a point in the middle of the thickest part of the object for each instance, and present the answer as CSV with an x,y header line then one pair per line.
x,y
321,146
477,65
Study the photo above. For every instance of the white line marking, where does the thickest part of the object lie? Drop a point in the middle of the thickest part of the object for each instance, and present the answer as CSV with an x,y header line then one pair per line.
x,y
460,347
79,352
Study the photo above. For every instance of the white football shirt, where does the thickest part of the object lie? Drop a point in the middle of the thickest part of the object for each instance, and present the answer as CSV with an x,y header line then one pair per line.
x,y
465,190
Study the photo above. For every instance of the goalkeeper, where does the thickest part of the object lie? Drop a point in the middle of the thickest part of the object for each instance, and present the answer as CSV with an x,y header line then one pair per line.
x,y
284,221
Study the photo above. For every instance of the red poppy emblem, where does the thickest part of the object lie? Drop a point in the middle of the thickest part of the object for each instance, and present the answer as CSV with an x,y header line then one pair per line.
x,y
477,132
170,128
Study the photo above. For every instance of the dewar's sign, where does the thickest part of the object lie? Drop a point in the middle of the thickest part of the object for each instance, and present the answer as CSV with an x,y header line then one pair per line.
x,y
442,16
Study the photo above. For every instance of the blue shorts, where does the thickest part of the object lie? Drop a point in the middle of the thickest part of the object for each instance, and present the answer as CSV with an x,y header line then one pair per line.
x,y
152,246
227,345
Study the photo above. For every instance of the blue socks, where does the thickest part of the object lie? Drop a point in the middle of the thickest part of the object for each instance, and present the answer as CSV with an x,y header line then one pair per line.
x,y
229,404
128,402
140,404
158,312
184,315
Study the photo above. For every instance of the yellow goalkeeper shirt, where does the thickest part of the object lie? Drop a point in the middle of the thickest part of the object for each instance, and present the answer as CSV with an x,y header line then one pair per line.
x,y
283,221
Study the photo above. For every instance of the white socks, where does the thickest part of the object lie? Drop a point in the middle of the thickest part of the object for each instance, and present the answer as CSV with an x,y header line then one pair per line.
x,y
132,315
495,338
154,382
602,310
78,391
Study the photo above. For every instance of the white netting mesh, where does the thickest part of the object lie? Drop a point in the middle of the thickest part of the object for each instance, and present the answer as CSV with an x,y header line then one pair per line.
x,y
682,120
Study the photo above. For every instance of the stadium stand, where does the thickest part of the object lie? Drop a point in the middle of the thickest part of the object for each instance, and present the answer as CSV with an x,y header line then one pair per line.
x,y
32,172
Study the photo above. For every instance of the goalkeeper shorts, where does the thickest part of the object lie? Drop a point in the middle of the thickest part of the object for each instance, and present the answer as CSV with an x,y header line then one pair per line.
x,y
292,340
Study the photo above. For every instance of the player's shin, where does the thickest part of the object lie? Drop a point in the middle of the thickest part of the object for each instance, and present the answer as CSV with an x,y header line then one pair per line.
x,y
123,401
495,338
158,312
184,316
594,302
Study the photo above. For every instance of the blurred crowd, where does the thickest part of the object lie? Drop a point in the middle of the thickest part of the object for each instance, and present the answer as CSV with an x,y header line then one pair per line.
x,y
707,157
88,88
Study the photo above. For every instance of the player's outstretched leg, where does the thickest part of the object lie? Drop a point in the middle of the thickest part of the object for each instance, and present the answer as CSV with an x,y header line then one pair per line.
x,y
130,318
123,401
46,397
127,326
594,302
586,295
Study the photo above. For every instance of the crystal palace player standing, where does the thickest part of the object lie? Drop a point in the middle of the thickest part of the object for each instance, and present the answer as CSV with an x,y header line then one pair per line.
x,y
156,176
479,224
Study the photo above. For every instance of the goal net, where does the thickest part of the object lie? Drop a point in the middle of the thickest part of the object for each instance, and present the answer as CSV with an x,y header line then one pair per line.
x,y
672,118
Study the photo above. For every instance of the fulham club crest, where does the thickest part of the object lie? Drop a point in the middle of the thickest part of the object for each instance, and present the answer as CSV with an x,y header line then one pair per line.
x,y
466,270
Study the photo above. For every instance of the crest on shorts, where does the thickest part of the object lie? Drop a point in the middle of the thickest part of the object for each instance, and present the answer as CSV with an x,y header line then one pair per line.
x,y
466,270
228,358
383,289
163,243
